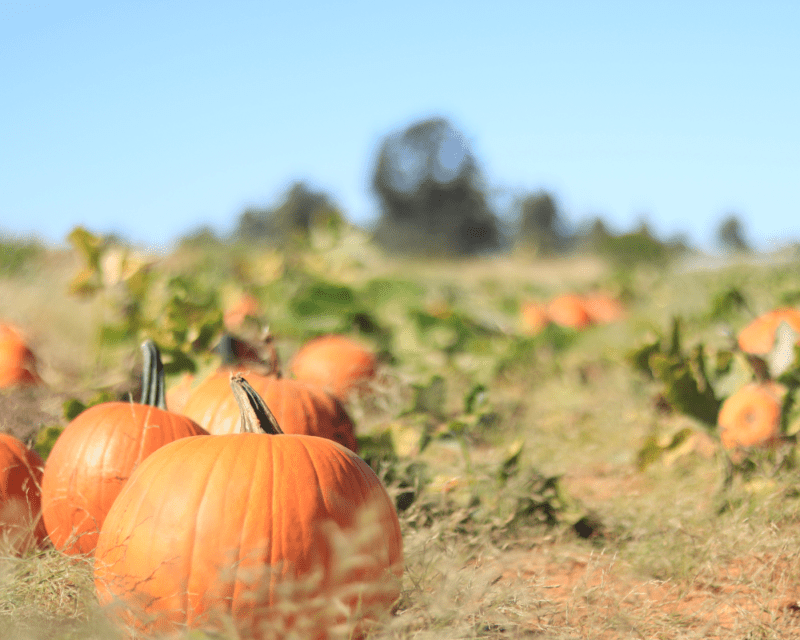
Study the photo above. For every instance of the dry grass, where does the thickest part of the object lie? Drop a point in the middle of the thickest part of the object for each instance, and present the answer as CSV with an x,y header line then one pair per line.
x,y
668,561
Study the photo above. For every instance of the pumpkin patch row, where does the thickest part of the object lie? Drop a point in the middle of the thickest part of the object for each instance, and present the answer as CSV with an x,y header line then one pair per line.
x,y
572,311
192,526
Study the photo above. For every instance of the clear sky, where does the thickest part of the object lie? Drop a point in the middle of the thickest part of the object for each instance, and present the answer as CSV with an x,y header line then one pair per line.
x,y
149,118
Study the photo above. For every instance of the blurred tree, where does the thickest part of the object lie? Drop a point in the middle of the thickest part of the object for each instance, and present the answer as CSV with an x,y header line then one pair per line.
x,y
429,187
730,234
203,236
541,226
301,210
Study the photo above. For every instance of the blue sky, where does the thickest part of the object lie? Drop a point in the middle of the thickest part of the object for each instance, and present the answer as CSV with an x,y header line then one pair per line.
x,y
151,118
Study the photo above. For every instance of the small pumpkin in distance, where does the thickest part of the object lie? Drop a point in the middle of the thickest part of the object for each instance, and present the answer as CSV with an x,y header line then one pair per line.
x,y
263,528
758,337
21,525
336,363
751,416
96,453
603,308
17,361
568,310
534,317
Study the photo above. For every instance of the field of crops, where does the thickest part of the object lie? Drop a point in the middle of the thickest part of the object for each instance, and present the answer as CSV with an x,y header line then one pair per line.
x,y
550,481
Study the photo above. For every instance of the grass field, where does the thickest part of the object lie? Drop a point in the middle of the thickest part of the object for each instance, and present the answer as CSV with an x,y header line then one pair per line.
x,y
527,507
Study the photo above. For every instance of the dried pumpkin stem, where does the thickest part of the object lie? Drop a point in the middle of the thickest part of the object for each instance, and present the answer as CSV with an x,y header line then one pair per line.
x,y
153,376
256,416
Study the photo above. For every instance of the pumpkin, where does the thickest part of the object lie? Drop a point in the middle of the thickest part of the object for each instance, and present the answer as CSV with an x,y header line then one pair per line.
x,y
568,310
247,306
758,337
751,416
334,362
17,362
21,525
98,450
299,407
602,308
277,533
534,317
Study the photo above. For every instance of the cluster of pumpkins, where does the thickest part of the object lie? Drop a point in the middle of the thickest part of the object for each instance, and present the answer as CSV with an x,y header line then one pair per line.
x,y
571,310
751,416
250,506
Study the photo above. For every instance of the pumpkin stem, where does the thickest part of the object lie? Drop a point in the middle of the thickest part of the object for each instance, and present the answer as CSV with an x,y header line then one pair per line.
x,y
153,376
256,416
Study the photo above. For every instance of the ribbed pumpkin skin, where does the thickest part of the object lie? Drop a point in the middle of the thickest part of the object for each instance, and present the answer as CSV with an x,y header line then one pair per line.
x,y
222,526
300,408
334,362
17,362
92,459
21,525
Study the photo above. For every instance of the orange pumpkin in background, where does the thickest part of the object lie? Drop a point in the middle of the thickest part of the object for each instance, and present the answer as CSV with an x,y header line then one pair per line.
x,y
247,306
534,317
272,532
751,416
336,363
568,310
758,337
17,362
96,453
21,524
603,308
300,407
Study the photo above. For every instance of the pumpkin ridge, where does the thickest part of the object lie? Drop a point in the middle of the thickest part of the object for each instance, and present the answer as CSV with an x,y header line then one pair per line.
x,y
192,545
236,584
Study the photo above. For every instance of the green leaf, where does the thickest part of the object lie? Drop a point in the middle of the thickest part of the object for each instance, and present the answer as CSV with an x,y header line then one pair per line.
x,y
510,463
72,408
46,439
430,398
686,387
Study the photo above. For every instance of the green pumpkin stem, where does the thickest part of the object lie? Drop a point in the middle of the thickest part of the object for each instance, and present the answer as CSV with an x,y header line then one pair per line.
x,y
153,376
256,416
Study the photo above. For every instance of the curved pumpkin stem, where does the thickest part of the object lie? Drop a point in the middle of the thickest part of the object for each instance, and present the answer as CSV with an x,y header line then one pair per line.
x,y
153,376
256,416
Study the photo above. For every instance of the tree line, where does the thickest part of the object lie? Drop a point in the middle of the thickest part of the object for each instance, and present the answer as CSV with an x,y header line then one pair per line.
x,y
434,200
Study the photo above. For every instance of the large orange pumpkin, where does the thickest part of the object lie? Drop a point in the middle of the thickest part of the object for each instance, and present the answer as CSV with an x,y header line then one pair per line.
x,y
334,362
96,453
21,525
280,534
751,416
758,337
17,362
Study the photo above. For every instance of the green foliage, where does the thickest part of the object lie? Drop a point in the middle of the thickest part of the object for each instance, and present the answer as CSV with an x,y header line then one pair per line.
x,y
727,303
639,247
655,449
17,255
46,439
301,211
686,384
